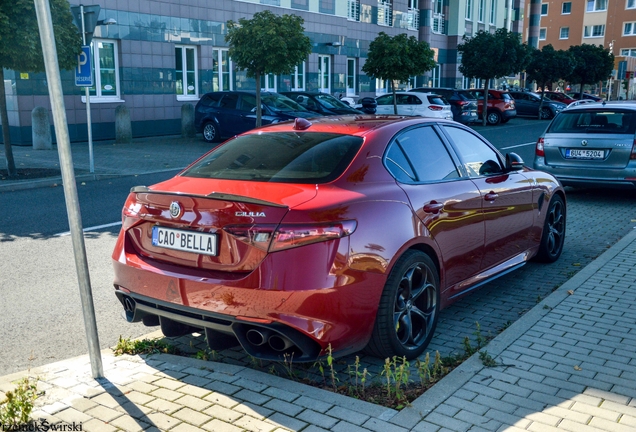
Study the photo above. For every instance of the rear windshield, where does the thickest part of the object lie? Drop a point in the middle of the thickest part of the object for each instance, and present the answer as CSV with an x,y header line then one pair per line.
x,y
285,157
594,121
437,100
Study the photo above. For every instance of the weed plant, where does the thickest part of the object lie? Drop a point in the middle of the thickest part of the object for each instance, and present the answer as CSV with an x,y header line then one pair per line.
x,y
15,409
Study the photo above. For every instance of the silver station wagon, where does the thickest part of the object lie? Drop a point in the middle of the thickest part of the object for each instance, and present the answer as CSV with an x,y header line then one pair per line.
x,y
591,145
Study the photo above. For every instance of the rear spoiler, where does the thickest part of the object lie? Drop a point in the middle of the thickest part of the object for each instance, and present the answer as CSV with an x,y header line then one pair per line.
x,y
213,195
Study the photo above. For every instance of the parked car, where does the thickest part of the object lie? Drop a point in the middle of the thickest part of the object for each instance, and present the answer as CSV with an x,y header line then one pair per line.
x,y
321,103
527,104
415,104
463,104
223,114
558,97
577,96
592,144
501,106
331,234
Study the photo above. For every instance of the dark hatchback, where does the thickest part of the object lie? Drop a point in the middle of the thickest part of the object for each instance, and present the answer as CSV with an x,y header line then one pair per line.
x,y
463,103
224,114
321,103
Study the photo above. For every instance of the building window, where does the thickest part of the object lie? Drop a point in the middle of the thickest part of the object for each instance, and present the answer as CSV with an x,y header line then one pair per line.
x,y
564,33
628,52
631,4
353,10
566,9
324,73
268,82
381,86
186,79
385,12
271,2
629,29
298,78
351,77
221,70
327,7
493,9
300,4
469,9
544,9
542,33
482,5
106,67
594,31
413,15
596,5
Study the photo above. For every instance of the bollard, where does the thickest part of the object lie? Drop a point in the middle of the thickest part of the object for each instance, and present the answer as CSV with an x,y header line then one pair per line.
x,y
41,129
123,128
187,121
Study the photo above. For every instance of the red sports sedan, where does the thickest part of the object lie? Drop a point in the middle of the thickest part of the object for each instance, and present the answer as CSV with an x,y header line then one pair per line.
x,y
345,232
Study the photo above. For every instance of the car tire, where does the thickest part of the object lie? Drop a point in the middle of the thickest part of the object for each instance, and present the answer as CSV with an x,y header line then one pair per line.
x,y
553,235
408,309
493,118
211,132
546,114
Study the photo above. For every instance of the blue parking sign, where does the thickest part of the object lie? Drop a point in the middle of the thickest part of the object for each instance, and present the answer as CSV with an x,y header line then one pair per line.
x,y
84,71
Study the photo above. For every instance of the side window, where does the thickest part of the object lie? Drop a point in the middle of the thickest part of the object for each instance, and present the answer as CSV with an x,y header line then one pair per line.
x,y
229,101
398,165
402,99
385,100
248,102
426,155
478,158
414,100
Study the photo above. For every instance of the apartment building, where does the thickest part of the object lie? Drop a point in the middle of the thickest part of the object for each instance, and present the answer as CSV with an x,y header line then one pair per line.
x,y
610,23
161,54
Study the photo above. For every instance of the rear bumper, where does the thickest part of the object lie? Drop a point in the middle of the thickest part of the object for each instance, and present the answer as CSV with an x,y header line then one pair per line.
x,y
509,114
588,177
466,117
307,309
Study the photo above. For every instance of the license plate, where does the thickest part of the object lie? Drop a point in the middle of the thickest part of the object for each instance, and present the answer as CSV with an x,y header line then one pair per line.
x,y
584,154
186,241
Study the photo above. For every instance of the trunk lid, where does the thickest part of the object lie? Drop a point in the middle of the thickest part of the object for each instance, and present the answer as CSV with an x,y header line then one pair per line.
x,y
190,222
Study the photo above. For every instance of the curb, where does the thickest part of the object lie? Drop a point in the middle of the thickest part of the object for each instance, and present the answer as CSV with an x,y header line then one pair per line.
x,y
459,376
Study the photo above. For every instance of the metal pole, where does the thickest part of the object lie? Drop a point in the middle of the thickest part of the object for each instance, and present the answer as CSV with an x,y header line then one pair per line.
x,y
91,163
49,50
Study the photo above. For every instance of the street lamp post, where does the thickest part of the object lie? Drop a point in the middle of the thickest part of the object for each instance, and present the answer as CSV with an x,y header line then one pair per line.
x,y
609,87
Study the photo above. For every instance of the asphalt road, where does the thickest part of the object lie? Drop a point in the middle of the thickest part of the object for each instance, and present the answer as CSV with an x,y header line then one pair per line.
x,y
40,312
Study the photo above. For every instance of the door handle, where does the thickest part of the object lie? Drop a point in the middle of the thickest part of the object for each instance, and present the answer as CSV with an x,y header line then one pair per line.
x,y
491,196
433,207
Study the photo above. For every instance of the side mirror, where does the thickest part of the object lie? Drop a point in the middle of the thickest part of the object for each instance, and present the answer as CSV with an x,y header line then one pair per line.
x,y
513,162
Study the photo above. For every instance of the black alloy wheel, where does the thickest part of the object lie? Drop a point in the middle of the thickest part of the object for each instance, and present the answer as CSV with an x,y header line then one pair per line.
x,y
493,118
546,114
553,236
408,310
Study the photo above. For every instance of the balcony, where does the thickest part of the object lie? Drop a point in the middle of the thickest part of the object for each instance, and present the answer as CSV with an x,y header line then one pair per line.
x,y
438,24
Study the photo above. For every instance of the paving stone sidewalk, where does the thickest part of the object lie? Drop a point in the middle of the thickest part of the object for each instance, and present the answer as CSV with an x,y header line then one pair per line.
x,y
569,364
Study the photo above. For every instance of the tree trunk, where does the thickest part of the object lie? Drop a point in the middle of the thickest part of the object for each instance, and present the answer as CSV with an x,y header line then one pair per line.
x,y
258,99
484,110
6,136
394,97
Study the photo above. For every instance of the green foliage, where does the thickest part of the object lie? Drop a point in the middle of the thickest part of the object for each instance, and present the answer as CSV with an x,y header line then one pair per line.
x,y
547,66
144,346
16,409
593,63
20,46
398,58
492,55
266,44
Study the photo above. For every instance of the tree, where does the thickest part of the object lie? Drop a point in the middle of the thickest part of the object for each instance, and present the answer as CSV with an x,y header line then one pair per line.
x,y
398,58
267,44
547,66
21,49
489,56
593,64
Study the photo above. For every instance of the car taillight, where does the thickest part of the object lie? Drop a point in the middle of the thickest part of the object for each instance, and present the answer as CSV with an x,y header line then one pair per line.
x,y
539,151
632,156
269,238
130,212
462,103
435,108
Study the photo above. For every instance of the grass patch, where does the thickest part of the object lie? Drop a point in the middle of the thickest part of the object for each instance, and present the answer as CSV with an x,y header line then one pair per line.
x,y
144,346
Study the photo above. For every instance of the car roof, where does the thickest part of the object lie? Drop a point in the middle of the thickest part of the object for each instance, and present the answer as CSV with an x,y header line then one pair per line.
x,y
627,104
306,93
352,124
